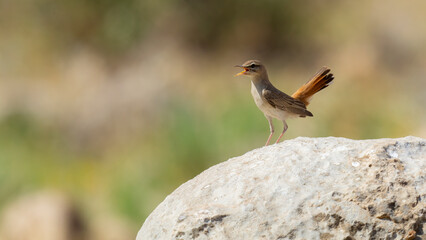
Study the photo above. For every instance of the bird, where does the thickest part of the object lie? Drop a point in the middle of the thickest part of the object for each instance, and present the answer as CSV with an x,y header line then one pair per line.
x,y
275,103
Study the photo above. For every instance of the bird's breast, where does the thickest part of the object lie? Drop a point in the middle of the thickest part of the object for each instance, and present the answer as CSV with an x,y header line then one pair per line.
x,y
257,96
264,106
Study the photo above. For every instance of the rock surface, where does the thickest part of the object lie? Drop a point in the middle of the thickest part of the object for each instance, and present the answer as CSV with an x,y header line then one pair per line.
x,y
306,188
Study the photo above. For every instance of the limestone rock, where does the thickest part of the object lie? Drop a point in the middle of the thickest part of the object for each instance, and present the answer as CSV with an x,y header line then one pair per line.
x,y
306,188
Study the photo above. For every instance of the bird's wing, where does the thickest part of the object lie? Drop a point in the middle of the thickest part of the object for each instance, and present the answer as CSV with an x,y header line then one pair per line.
x,y
282,101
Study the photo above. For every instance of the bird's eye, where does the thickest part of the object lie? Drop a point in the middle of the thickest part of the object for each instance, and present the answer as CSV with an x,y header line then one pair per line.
x,y
253,65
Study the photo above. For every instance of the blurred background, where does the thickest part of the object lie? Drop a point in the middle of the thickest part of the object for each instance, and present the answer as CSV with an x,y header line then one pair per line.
x,y
107,106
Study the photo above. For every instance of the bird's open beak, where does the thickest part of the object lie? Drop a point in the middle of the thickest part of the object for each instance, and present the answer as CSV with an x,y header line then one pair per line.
x,y
242,72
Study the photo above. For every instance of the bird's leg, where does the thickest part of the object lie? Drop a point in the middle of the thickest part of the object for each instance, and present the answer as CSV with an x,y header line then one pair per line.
x,y
271,127
285,129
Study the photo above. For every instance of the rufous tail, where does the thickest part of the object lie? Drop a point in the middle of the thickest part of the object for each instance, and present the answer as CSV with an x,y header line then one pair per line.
x,y
320,81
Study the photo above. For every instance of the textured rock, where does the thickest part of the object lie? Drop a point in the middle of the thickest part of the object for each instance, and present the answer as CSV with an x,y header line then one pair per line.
x,y
322,188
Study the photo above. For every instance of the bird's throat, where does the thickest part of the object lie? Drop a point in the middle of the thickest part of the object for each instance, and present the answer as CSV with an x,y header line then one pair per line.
x,y
261,81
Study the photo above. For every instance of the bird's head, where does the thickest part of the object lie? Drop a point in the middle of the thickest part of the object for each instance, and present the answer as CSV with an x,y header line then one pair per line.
x,y
252,68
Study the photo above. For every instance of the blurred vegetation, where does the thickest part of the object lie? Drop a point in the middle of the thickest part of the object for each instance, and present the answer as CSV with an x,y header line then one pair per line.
x,y
117,103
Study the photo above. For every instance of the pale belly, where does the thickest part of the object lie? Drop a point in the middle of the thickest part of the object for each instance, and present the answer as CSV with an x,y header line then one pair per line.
x,y
266,108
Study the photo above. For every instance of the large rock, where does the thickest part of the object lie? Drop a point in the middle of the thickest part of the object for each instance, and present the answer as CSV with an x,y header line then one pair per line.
x,y
306,188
